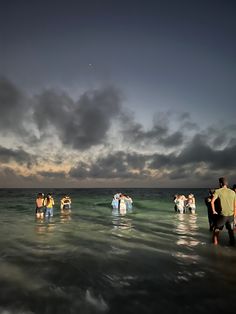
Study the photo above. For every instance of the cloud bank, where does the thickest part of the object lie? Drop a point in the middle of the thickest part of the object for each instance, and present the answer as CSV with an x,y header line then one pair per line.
x,y
51,138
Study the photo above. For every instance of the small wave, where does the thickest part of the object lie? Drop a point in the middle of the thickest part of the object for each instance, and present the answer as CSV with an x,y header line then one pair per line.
x,y
97,302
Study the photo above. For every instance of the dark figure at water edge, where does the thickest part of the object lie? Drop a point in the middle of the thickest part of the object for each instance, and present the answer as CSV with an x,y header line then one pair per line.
x,y
228,211
175,199
234,188
212,218
39,211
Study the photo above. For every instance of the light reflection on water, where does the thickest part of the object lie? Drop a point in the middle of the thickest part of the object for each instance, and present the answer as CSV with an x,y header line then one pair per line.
x,y
186,229
101,261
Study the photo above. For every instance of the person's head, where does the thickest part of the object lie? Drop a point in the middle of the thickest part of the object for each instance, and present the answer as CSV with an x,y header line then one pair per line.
x,y
234,187
223,181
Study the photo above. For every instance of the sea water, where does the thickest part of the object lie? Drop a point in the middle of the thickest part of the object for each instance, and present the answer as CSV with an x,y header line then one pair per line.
x,y
149,260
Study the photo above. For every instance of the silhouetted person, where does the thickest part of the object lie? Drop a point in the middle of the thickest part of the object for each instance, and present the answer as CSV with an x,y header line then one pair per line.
x,y
212,218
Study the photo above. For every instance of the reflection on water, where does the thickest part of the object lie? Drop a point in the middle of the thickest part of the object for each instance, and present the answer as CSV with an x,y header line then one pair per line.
x,y
186,230
45,225
119,221
65,218
187,240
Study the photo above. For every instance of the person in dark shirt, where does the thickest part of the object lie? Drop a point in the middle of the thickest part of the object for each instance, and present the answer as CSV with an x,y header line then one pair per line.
x,y
211,217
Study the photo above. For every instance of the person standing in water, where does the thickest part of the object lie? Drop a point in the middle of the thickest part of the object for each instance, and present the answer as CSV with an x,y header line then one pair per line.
x,y
191,204
212,218
49,203
66,205
228,211
39,211
234,188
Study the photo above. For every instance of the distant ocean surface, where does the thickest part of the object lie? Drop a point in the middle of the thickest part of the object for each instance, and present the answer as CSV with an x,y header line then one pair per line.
x,y
150,260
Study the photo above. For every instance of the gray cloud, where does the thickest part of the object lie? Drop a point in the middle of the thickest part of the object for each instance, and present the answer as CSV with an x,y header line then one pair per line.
x,y
198,151
18,155
117,165
85,123
52,174
158,161
14,108
80,124
159,133
11,178
173,140
196,155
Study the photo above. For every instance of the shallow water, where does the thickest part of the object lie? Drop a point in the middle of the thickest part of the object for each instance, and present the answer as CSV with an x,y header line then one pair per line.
x,y
97,261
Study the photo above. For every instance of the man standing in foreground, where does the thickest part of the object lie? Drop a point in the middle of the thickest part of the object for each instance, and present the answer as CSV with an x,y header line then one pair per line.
x,y
226,217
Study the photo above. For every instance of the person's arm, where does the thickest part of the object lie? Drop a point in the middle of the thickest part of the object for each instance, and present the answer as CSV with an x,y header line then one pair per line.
x,y
235,207
213,204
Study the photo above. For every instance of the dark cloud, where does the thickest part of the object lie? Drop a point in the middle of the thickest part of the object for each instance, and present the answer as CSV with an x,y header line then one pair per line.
x,y
158,161
18,155
12,178
198,151
182,172
177,151
196,159
220,136
117,165
159,134
80,124
52,109
52,174
173,140
196,154
14,108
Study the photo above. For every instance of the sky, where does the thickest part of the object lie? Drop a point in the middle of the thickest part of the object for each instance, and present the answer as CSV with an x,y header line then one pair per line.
x,y
102,93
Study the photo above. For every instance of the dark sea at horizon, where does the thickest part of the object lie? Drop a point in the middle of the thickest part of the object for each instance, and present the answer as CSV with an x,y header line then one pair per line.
x,y
150,260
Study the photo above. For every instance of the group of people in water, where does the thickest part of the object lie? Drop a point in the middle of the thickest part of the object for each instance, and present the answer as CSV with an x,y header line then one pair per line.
x,y
45,205
122,203
184,204
221,208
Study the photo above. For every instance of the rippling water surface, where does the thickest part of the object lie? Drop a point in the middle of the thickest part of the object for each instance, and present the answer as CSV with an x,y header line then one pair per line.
x,y
150,260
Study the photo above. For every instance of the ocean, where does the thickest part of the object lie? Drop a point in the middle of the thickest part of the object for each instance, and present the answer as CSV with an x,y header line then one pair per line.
x,y
149,260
